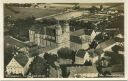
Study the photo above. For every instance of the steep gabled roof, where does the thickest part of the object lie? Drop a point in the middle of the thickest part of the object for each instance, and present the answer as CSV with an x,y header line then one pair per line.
x,y
21,58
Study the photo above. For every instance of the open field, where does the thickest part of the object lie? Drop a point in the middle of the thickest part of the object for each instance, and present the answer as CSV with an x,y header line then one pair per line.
x,y
88,5
41,12
28,12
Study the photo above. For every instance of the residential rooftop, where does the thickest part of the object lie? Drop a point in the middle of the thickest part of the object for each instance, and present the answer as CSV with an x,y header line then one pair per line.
x,y
81,53
106,44
21,58
82,32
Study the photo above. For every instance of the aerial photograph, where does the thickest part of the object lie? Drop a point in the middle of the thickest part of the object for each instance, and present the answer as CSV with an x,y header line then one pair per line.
x,y
64,40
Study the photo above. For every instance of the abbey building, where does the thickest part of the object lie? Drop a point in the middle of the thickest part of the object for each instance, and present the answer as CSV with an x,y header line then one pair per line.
x,y
54,36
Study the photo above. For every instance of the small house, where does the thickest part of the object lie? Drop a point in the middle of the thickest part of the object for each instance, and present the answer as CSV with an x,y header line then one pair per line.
x,y
81,57
107,45
19,64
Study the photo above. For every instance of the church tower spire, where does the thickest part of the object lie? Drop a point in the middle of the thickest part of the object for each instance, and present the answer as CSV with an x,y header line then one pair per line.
x,y
66,26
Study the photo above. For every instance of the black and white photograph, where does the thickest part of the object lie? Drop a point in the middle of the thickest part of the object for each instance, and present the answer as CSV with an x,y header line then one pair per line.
x,y
64,40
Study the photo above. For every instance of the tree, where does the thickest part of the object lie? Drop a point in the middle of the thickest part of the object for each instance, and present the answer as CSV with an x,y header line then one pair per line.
x,y
113,58
93,44
116,48
101,7
38,66
8,55
89,25
20,29
50,58
93,10
66,53
50,21
76,6
33,53
8,24
106,71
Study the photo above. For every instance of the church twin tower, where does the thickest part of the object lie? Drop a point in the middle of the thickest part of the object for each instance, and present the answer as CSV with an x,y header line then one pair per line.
x,y
51,36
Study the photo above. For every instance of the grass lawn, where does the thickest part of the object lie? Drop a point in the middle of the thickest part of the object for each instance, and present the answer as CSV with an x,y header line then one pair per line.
x,y
41,12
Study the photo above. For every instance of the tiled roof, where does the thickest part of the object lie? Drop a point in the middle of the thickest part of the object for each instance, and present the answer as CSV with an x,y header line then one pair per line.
x,y
75,39
82,32
105,44
78,32
21,58
81,53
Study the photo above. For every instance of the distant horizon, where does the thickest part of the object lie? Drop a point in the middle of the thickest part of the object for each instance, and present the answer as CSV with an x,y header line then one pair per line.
x,y
82,5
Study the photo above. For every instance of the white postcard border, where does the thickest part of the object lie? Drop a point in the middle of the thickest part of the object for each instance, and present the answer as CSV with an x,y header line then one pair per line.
x,y
63,1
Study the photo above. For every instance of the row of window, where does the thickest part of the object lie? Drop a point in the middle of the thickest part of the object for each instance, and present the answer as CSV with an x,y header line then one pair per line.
x,y
46,37
13,70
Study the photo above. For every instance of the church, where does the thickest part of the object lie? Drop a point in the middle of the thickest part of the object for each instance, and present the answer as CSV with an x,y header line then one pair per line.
x,y
50,37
